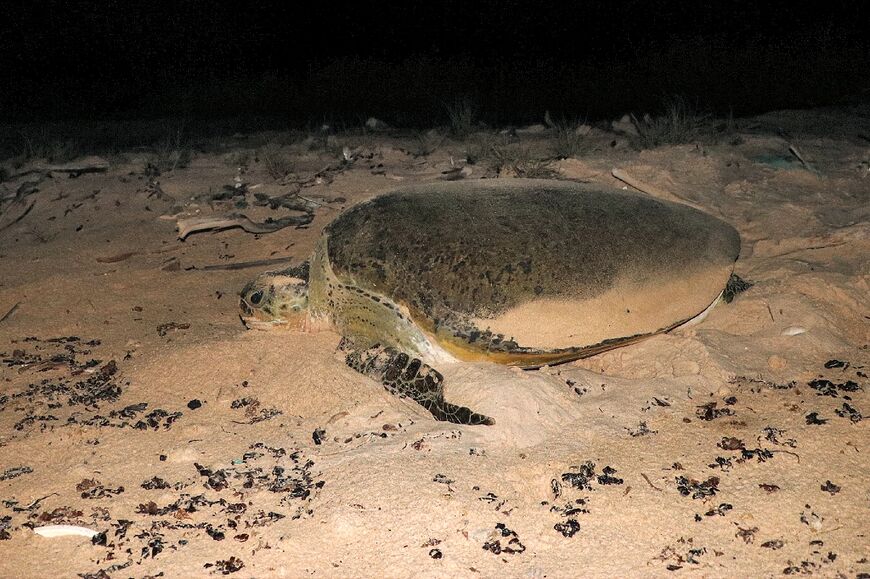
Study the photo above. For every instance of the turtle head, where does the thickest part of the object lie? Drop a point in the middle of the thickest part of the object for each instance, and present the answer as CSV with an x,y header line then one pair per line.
x,y
274,300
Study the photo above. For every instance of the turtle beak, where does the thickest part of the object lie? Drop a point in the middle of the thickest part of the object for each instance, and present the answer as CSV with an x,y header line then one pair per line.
x,y
273,301
254,319
249,316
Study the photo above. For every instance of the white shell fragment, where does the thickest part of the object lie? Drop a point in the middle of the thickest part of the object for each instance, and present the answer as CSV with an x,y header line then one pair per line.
x,y
793,331
52,531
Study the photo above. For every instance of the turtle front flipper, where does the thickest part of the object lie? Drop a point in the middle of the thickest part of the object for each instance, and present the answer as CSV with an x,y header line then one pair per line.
x,y
409,377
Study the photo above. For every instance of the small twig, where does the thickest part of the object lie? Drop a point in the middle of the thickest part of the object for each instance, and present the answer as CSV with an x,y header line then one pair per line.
x,y
828,246
796,152
11,311
649,482
34,504
794,454
767,305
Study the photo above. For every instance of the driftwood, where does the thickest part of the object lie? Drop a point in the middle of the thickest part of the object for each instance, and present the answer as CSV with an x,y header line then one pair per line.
x,y
291,201
218,223
240,264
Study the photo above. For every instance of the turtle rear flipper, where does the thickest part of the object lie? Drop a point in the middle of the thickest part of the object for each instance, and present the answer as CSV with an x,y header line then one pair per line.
x,y
410,377
736,285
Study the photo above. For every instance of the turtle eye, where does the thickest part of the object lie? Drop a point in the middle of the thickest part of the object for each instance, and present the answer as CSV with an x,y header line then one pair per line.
x,y
255,298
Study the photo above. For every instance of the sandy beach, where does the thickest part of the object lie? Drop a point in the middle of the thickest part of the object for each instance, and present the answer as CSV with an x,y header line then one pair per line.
x,y
135,404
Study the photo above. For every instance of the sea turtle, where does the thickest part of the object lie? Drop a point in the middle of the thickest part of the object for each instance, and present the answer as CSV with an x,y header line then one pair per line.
x,y
513,271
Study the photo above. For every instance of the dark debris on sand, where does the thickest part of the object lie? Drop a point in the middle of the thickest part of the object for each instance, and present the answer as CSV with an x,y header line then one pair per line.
x,y
581,477
813,419
77,389
252,410
568,529
836,389
760,454
683,553
226,566
710,411
504,541
850,412
261,468
830,487
824,387
15,472
226,509
697,489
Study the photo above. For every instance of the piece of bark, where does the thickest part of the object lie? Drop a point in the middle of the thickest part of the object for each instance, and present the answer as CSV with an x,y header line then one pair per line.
x,y
241,264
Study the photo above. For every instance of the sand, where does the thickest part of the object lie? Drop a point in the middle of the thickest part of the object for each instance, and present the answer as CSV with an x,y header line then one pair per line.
x,y
135,404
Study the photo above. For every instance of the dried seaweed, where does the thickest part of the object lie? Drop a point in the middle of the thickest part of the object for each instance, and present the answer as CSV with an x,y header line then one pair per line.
x,y
226,566
720,510
682,554
155,483
850,412
15,472
504,541
813,418
824,387
569,528
94,489
607,478
697,489
253,412
830,487
774,544
710,411
580,479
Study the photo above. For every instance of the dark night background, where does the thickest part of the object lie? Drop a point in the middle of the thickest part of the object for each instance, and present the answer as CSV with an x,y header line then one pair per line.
x,y
404,61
